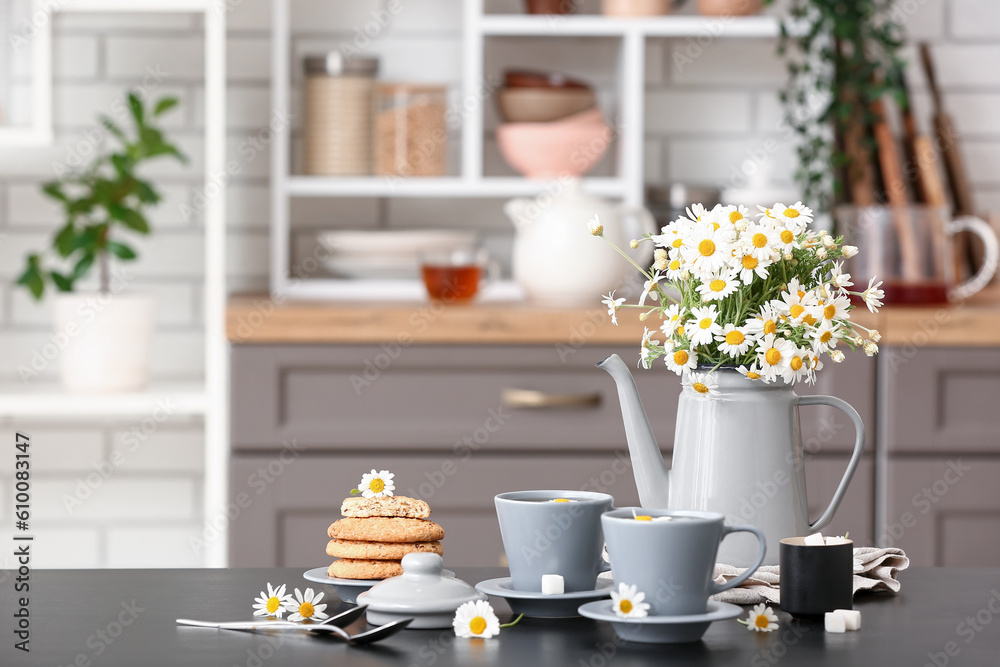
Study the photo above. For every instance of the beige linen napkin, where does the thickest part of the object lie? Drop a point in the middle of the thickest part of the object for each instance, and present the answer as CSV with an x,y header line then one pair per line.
x,y
875,569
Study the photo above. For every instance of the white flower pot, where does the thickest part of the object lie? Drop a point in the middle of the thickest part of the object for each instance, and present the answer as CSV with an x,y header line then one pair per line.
x,y
107,340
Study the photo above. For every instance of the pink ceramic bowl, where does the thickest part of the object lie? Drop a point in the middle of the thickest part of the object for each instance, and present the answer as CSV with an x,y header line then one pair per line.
x,y
567,147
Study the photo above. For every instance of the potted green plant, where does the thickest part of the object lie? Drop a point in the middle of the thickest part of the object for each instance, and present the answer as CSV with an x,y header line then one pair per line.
x,y
842,58
104,336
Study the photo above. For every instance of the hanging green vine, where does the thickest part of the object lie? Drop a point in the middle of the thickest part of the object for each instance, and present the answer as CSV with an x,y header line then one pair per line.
x,y
842,55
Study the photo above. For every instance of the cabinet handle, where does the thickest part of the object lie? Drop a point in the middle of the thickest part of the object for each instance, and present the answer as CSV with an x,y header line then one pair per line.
x,y
529,398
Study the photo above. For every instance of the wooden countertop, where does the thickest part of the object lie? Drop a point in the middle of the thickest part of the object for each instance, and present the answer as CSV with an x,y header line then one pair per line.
x,y
259,319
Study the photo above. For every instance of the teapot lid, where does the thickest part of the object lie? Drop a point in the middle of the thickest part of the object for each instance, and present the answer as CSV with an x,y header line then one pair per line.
x,y
421,589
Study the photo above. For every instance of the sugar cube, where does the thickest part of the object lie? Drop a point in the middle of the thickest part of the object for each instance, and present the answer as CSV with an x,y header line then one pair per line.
x,y
553,584
852,618
834,622
816,539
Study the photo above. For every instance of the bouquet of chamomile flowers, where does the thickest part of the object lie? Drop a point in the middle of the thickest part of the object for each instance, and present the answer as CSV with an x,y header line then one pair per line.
x,y
767,295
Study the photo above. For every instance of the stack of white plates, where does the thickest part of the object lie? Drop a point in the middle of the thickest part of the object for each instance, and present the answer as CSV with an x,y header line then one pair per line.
x,y
386,254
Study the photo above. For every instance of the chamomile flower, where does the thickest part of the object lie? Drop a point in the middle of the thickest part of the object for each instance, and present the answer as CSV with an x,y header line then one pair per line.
x,y
764,322
675,267
751,372
795,302
696,212
718,286
734,340
795,217
646,351
765,213
749,266
773,355
825,336
627,602
376,484
759,239
273,603
672,318
797,367
702,384
680,361
873,295
661,259
306,607
708,249
650,285
670,237
476,619
831,309
839,278
733,214
613,305
702,328
761,619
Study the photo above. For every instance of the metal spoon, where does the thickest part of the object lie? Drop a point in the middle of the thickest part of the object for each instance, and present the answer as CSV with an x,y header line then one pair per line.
x,y
367,637
342,619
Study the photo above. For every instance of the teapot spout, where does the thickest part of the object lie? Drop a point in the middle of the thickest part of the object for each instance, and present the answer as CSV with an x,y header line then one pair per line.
x,y
652,478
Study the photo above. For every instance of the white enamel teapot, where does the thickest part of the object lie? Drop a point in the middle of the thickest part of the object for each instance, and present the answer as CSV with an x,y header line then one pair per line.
x,y
556,260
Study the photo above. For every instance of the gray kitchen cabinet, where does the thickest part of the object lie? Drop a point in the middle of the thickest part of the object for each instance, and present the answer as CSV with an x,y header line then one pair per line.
x,y
307,422
942,411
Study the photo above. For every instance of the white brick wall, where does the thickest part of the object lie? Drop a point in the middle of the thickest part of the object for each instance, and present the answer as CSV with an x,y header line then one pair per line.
x,y
704,117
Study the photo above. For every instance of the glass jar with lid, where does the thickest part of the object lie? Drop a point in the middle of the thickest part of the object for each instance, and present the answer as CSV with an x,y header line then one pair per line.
x,y
339,94
411,131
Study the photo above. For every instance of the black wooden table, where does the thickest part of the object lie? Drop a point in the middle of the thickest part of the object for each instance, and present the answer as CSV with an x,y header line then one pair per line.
x,y
943,616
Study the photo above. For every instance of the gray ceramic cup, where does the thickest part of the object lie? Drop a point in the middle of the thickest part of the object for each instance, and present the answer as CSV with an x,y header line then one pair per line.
x,y
541,536
672,562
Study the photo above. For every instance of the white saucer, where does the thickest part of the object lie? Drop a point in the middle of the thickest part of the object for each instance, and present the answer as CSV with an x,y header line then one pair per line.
x,y
538,605
661,629
347,589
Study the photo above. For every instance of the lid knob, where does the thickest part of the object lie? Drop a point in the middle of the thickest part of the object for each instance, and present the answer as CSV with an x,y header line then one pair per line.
x,y
423,563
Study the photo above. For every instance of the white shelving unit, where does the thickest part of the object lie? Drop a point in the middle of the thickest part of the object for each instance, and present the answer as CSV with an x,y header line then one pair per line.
x,y
470,182
207,398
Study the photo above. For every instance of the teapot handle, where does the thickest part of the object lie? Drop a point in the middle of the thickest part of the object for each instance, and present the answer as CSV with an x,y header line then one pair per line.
x,y
985,274
859,445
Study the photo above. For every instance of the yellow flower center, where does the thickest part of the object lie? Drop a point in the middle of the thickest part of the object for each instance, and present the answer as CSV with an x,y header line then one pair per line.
x,y
825,337
829,312
477,625
761,621
717,285
705,323
560,500
809,319
715,226
306,610
680,357
677,243
376,485
796,310
700,388
770,327
753,376
735,217
759,240
772,356
796,363
791,213
643,518
749,262
787,236
707,247
680,330
272,605
801,293
675,265
734,338
625,606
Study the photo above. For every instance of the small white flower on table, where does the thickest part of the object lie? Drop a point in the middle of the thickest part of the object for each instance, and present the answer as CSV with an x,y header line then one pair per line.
x,y
306,606
762,619
377,484
272,603
627,602
476,619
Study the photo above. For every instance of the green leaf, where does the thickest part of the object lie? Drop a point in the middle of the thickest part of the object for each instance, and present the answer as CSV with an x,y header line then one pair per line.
x,y
132,219
123,164
355,492
65,240
81,268
113,128
165,105
146,193
63,283
135,106
32,278
120,250
54,190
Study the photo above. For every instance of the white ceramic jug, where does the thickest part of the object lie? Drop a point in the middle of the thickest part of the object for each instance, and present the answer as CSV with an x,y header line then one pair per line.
x,y
556,259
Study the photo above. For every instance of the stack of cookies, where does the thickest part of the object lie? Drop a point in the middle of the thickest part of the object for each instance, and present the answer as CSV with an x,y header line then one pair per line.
x,y
375,534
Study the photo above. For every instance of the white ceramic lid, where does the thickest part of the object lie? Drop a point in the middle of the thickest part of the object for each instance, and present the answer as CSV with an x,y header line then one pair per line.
x,y
421,589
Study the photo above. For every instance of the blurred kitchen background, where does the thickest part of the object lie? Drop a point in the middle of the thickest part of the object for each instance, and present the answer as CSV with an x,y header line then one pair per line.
x,y
711,108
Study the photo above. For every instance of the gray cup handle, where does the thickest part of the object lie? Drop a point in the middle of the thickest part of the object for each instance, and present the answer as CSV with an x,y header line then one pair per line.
x,y
714,588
